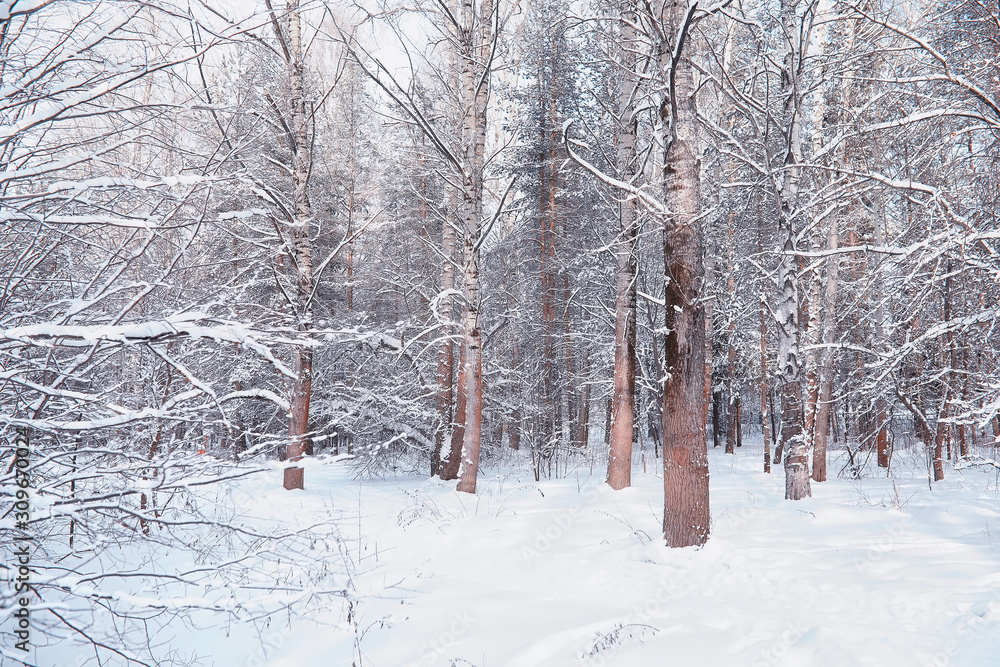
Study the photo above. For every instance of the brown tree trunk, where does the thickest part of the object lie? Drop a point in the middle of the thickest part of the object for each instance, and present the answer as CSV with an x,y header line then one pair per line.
x,y
827,370
446,357
765,413
450,467
882,435
298,420
514,428
583,420
939,438
622,427
716,418
732,406
686,515
739,421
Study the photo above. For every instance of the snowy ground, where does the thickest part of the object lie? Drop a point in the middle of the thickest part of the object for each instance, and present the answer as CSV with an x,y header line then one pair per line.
x,y
877,571
568,572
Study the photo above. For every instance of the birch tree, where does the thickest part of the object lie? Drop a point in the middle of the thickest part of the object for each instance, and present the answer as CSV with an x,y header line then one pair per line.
x,y
626,249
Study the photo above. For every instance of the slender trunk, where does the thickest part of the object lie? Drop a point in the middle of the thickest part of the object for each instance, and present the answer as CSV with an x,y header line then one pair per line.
x,y
793,440
732,405
475,87
450,466
813,334
827,364
583,418
351,187
608,409
939,438
686,515
568,382
774,427
622,427
766,416
446,358
765,413
514,427
298,421
963,445
739,421
716,418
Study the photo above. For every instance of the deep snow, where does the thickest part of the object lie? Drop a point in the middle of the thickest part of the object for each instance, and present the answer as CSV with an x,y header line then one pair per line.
x,y
876,571
873,571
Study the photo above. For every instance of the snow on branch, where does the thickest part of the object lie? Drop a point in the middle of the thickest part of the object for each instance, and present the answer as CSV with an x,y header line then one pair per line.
x,y
649,202
190,325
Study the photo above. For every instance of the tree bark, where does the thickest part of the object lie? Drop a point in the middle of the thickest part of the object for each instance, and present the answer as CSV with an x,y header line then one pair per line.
x,y
298,418
475,91
686,515
765,417
732,405
446,355
623,409
793,441
451,466
827,369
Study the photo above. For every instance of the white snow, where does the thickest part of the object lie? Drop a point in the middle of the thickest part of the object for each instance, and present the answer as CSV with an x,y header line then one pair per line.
x,y
876,571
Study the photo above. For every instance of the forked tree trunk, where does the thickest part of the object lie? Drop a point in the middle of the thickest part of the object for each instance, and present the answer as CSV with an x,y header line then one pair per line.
x,y
622,427
686,515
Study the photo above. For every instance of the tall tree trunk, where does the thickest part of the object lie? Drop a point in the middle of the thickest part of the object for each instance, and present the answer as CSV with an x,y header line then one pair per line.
x,y
446,358
716,418
298,421
475,91
765,393
622,427
732,404
686,515
765,417
827,370
793,441
451,466
939,438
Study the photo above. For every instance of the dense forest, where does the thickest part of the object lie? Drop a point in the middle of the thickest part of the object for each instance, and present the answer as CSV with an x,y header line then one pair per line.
x,y
422,238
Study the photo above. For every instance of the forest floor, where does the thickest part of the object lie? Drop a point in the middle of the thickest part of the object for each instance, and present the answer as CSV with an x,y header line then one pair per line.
x,y
566,572
870,571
